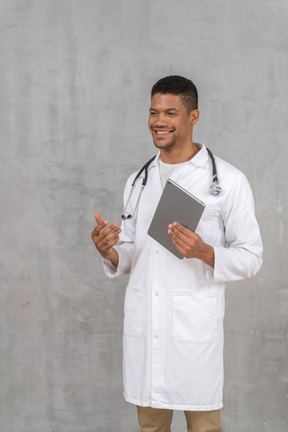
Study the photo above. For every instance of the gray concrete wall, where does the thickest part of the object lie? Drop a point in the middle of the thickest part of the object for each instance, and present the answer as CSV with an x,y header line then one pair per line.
x,y
75,78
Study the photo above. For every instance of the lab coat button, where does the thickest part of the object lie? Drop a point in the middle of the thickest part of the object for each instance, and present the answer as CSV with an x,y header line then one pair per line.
x,y
156,293
156,336
157,251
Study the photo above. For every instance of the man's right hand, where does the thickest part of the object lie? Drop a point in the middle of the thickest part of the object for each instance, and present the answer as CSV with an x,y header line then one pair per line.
x,y
105,237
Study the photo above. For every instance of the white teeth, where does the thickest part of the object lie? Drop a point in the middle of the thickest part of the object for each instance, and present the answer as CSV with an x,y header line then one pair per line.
x,y
162,132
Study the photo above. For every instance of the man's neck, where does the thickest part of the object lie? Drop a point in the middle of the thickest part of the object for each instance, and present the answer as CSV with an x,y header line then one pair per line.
x,y
175,156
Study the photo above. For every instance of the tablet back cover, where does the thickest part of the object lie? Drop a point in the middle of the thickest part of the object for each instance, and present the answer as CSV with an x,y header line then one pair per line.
x,y
175,205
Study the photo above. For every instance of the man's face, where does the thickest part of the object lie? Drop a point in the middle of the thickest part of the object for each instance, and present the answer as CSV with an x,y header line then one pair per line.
x,y
169,123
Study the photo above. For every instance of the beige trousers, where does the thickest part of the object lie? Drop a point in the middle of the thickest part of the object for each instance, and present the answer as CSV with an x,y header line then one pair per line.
x,y
159,420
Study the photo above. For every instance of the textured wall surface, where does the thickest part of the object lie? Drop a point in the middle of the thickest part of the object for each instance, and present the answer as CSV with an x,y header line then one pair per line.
x,y
75,78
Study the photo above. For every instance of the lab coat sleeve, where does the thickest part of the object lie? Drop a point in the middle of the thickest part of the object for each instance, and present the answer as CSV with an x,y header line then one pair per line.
x,y
242,256
125,246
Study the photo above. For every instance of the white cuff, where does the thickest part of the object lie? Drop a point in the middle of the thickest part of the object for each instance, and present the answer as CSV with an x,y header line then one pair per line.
x,y
209,271
125,251
110,269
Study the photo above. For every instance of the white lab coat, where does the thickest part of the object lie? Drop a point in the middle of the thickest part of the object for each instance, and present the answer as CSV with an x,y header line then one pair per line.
x,y
174,309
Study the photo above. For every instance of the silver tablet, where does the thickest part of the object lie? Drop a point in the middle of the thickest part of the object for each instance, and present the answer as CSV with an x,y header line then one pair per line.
x,y
175,205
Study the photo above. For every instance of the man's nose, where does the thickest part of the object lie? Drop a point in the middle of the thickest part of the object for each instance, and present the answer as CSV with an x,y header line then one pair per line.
x,y
161,119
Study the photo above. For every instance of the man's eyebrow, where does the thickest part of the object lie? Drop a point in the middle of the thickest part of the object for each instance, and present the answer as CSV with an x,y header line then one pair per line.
x,y
168,109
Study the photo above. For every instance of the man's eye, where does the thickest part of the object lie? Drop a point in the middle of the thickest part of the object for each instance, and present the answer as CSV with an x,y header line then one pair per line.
x,y
152,113
172,114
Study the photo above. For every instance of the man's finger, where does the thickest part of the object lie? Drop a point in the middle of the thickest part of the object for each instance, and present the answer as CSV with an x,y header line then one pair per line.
x,y
99,218
179,229
99,228
108,233
100,224
180,242
177,245
102,231
111,242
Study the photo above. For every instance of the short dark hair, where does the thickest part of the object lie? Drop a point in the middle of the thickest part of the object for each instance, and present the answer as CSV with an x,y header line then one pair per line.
x,y
180,86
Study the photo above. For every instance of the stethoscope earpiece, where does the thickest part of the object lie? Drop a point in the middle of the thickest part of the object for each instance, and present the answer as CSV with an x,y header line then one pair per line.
x,y
126,217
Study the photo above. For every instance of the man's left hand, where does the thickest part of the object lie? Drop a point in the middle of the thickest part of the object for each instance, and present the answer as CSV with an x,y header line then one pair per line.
x,y
190,244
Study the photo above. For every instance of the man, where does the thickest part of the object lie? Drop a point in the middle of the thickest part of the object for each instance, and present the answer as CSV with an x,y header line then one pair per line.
x,y
174,309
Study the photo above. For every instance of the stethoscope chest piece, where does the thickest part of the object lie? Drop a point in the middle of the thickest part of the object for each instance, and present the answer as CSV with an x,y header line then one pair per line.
x,y
215,189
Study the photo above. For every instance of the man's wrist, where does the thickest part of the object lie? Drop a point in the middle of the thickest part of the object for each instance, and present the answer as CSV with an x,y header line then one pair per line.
x,y
112,256
208,255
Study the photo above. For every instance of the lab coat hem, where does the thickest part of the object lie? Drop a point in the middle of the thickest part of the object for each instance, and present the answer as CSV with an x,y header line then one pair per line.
x,y
163,405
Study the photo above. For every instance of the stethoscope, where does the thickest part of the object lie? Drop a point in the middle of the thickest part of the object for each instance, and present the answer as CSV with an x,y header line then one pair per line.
x,y
215,189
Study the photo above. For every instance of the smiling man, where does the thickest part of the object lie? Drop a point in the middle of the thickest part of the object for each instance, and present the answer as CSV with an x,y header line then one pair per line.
x,y
174,309
171,124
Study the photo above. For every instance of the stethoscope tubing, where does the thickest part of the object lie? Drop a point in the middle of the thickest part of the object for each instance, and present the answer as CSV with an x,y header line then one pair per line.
x,y
215,189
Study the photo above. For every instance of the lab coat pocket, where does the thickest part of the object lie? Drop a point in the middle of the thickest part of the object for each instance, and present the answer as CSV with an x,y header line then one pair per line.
x,y
194,317
210,225
133,312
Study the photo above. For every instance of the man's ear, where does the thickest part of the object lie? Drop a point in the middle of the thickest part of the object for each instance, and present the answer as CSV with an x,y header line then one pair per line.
x,y
194,116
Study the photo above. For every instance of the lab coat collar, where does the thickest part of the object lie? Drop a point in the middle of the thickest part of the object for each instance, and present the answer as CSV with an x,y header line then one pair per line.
x,y
200,159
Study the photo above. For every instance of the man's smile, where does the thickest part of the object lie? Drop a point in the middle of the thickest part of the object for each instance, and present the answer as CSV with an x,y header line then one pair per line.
x,y
162,133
